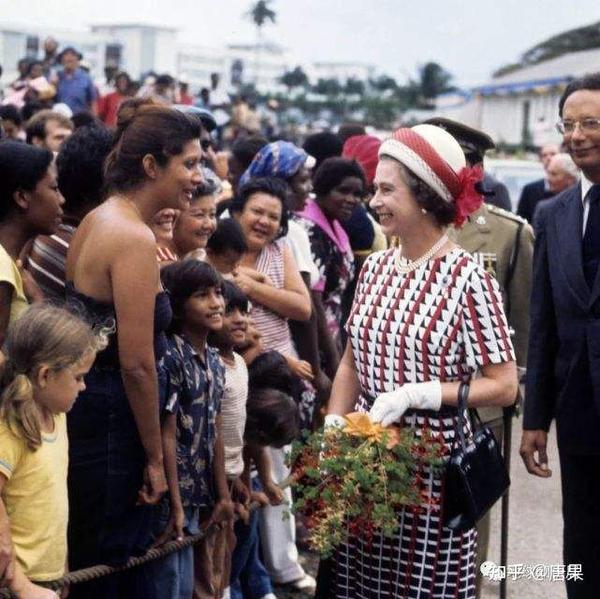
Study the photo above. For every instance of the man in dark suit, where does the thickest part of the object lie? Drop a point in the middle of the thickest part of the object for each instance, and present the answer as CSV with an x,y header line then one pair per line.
x,y
538,190
563,367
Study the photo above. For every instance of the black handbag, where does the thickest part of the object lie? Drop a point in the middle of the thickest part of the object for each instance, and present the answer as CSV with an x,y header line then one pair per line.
x,y
476,475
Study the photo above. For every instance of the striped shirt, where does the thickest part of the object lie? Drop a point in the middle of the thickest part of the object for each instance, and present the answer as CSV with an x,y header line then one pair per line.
x,y
47,260
273,327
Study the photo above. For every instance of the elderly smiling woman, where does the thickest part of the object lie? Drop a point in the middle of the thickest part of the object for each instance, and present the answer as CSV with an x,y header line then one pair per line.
x,y
270,278
425,317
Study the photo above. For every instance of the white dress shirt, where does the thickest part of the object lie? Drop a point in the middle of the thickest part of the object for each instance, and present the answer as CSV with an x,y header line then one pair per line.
x,y
586,185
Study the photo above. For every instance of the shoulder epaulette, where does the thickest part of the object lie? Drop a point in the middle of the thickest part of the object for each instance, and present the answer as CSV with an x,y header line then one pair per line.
x,y
506,214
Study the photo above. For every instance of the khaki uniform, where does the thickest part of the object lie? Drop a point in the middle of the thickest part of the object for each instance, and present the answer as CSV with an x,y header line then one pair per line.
x,y
491,235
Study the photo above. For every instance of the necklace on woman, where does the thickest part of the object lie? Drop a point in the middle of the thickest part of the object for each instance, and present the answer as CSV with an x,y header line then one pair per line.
x,y
404,265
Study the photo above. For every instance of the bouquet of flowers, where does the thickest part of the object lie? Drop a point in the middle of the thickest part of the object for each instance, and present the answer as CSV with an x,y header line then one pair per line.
x,y
353,480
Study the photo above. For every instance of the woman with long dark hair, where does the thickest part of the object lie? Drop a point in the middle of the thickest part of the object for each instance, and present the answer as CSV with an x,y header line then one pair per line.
x,y
116,462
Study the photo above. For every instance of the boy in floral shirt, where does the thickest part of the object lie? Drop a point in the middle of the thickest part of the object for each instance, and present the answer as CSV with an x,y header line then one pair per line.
x,y
192,443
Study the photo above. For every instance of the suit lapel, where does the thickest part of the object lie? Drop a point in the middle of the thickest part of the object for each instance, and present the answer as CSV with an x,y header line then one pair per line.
x,y
569,229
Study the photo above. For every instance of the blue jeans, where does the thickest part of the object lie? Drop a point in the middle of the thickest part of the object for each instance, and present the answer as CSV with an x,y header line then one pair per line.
x,y
249,578
172,577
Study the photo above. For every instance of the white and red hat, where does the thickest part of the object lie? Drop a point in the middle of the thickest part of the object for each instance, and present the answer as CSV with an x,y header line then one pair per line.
x,y
435,157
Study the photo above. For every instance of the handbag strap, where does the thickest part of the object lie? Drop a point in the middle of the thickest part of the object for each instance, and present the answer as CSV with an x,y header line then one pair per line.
x,y
461,421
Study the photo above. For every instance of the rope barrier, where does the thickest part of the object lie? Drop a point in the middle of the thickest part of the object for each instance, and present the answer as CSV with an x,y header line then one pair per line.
x,y
94,572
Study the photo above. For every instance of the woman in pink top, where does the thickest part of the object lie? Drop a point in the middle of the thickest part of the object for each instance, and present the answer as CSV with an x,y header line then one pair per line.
x,y
339,185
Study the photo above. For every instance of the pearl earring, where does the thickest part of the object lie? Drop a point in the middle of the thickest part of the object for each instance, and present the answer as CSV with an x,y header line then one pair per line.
x,y
423,211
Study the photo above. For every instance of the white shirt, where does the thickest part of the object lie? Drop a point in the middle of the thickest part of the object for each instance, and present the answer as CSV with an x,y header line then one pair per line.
x,y
586,185
233,414
298,241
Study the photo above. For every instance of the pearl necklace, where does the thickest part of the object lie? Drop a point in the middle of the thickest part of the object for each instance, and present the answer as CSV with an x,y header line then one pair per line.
x,y
405,266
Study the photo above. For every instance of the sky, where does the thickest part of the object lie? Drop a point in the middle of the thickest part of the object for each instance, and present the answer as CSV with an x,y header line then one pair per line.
x,y
469,39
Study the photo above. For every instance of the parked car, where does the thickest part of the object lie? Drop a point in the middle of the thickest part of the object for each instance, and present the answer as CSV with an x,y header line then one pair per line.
x,y
515,174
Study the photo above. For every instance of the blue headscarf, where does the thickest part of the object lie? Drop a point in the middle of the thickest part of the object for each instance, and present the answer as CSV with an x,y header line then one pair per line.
x,y
281,159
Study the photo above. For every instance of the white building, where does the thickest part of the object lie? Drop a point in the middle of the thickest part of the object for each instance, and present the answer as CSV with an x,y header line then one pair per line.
x,y
522,107
140,48
262,64
195,63
342,71
18,42
145,47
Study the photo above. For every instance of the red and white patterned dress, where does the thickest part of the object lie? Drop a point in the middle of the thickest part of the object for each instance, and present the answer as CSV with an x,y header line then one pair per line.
x,y
443,321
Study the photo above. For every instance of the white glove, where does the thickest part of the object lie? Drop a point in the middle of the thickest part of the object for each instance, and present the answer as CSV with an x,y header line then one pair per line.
x,y
334,421
389,407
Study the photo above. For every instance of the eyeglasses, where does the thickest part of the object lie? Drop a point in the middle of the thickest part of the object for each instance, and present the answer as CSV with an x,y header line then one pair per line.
x,y
589,125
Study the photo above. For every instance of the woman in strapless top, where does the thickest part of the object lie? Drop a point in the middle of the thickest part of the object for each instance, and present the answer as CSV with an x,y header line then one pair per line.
x,y
116,471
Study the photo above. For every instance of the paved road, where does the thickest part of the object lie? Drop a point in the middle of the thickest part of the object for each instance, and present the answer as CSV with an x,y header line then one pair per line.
x,y
535,525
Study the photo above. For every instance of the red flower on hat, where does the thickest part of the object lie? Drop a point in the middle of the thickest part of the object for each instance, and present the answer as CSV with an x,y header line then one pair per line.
x,y
468,200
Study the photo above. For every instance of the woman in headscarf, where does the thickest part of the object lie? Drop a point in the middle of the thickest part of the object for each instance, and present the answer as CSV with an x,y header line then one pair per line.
x,y
285,161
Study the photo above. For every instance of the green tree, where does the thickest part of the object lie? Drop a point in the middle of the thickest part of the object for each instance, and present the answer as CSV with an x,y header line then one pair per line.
x,y
434,80
295,78
380,112
354,86
408,95
328,87
261,13
573,40
383,83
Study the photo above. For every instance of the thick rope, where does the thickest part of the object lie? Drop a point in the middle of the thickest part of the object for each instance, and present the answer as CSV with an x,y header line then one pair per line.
x,y
94,572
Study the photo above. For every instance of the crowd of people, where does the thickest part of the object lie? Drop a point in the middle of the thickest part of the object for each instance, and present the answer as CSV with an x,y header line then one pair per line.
x,y
172,317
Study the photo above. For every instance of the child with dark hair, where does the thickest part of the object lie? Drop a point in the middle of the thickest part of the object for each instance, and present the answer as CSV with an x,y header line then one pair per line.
x,y
195,225
233,409
271,420
192,438
226,246
271,369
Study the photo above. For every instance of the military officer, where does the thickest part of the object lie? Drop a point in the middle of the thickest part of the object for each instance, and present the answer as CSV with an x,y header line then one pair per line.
x,y
501,241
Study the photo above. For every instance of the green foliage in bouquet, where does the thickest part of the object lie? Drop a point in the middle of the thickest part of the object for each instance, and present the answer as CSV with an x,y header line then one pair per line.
x,y
353,481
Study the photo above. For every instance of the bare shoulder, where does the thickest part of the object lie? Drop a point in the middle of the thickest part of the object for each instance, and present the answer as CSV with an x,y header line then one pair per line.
x,y
117,229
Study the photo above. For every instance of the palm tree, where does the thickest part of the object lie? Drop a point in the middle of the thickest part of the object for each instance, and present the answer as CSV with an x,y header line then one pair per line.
x,y
260,13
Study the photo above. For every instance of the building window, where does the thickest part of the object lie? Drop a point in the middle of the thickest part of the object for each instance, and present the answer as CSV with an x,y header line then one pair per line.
x,y
32,46
112,56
